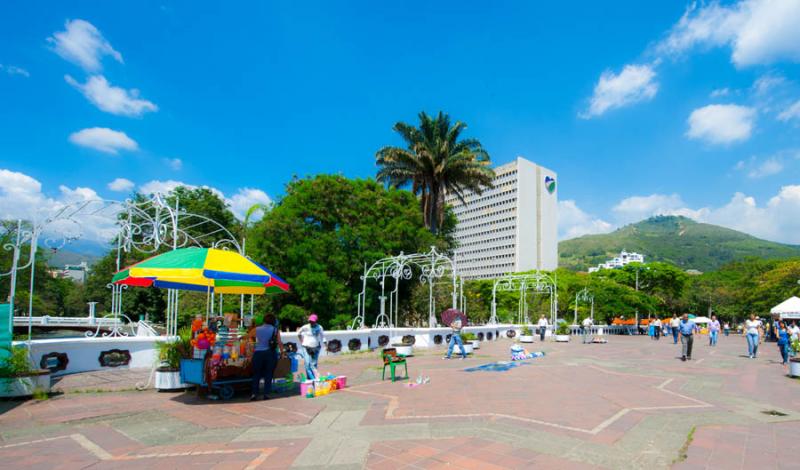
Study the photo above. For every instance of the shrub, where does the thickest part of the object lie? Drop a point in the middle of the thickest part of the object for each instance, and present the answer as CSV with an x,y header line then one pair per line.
x,y
563,328
170,353
526,331
17,363
469,337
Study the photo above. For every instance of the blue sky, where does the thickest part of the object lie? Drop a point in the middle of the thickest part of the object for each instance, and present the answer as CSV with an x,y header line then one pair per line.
x,y
673,108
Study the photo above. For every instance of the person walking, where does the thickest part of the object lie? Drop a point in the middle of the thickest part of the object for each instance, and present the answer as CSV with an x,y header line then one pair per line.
x,y
455,338
752,331
265,355
713,330
726,328
782,337
542,327
687,328
586,330
311,336
675,326
657,329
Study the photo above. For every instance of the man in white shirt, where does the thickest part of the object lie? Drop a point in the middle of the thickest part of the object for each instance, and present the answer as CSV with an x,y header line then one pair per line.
x,y
542,324
586,329
657,329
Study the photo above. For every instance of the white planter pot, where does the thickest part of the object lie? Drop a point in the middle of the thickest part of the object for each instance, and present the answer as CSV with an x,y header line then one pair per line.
x,y
170,380
476,344
526,339
562,338
24,386
404,350
467,348
794,367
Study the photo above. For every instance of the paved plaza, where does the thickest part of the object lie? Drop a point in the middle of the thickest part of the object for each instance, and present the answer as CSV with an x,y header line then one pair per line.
x,y
630,403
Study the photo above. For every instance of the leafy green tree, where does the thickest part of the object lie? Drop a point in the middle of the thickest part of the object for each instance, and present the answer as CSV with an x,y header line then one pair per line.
x,y
319,236
436,161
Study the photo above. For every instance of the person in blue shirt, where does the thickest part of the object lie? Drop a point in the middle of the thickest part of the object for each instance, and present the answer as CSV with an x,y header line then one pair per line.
x,y
782,335
265,356
687,328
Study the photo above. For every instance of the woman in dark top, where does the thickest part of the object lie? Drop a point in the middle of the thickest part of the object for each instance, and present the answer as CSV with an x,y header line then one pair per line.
x,y
782,334
265,355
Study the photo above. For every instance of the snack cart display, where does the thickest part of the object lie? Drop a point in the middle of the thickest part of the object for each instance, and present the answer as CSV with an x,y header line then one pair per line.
x,y
221,346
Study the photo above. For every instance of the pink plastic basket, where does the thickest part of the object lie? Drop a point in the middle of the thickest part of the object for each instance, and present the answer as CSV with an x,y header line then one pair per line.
x,y
305,387
341,381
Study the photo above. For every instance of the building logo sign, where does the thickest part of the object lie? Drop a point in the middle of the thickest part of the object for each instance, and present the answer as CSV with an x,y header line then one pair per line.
x,y
550,184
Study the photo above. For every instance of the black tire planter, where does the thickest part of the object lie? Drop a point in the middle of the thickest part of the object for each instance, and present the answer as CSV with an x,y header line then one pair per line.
x,y
383,340
511,333
54,361
480,336
334,346
354,344
409,340
290,347
447,338
114,358
489,336
437,339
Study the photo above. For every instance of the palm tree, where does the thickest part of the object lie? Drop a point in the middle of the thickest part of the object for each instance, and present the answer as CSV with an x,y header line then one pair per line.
x,y
436,162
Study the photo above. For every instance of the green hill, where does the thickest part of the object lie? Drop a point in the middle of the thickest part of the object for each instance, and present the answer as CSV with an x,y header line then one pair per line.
x,y
673,239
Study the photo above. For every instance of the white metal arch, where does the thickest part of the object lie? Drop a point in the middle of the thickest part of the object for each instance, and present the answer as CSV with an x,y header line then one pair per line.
x,y
432,265
538,282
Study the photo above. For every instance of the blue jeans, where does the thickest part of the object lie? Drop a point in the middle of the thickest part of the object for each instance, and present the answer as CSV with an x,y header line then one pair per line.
x,y
784,348
456,338
264,363
311,359
675,335
752,344
712,337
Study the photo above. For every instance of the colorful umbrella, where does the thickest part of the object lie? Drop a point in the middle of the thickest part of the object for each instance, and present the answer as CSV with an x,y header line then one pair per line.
x,y
202,269
450,315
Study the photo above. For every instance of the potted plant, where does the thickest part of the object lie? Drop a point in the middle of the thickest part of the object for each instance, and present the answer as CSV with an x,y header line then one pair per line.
x,y
562,332
526,335
472,339
170,353
794,363
405,345
18,378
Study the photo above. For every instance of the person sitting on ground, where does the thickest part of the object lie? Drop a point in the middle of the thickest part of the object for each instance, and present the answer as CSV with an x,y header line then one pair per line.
x,y
265,356
311,336
455,337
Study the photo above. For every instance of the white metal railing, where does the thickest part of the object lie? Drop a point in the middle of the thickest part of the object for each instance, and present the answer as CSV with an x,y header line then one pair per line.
x,y
47,320
144,328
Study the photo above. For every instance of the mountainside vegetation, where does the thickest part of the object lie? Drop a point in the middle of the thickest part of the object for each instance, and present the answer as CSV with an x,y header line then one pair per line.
x,y
672,239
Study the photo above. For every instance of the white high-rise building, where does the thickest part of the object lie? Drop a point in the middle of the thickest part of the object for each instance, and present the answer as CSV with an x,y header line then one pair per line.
x,y
512,227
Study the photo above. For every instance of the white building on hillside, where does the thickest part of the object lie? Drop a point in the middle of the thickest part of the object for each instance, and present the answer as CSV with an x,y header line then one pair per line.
x,y
619,261
512,227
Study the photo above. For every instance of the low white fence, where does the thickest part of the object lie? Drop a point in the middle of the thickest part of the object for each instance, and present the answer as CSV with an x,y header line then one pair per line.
x,y
47,320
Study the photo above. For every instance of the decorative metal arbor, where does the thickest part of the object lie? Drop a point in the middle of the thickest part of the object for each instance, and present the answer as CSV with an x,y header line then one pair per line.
x,y
586,296
432,266
145,226
538,282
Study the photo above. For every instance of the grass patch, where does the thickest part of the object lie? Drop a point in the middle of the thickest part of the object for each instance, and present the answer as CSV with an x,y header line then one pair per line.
x,y
683,452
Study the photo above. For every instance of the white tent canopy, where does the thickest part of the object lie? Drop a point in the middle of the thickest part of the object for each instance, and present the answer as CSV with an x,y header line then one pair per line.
x,y
701,320
789,308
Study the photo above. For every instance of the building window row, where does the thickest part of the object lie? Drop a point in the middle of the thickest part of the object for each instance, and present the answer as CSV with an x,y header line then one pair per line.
x,y
483,242
467,228
485,216
478,205
486,232
465,254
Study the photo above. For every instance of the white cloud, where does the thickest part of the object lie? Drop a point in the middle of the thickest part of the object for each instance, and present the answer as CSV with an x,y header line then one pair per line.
x,y
121,185
14,70
721,123
769,167
791,112
636,208
83,44
111,99
246,198
574,222
719,92
21,197
635,83
162,187
758,31
174,163
103,139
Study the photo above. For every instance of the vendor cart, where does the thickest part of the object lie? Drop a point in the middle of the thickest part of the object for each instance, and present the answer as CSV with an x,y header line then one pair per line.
x,y
195,371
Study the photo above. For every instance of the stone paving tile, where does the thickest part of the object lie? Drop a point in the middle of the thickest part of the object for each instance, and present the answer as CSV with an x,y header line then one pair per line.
x,y
627,404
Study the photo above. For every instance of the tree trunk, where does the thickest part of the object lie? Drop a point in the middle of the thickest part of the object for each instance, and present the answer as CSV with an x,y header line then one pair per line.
x,y
433,206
